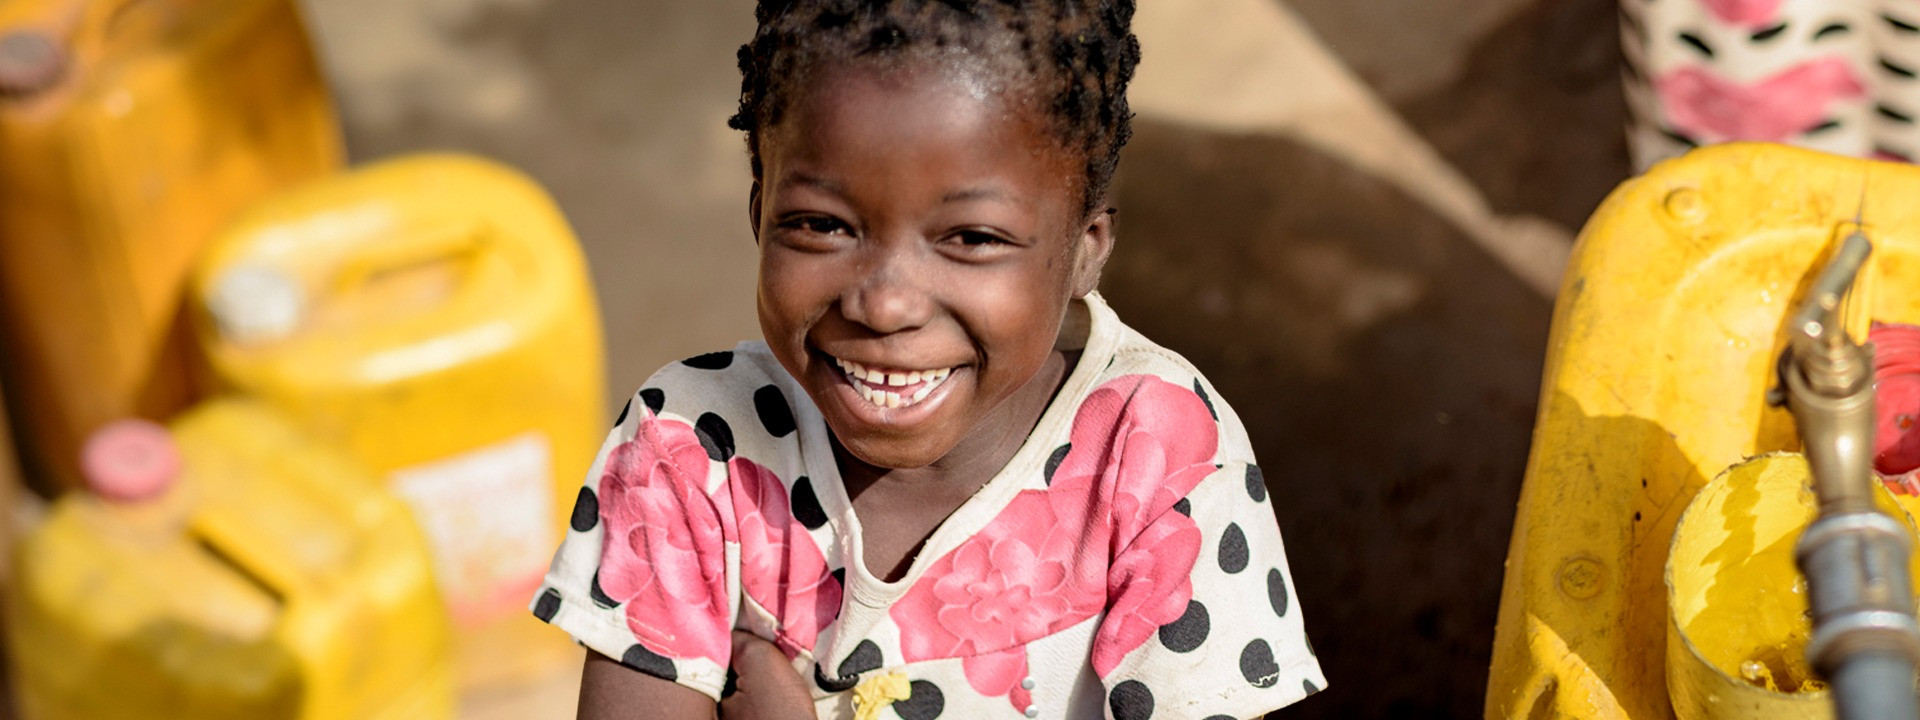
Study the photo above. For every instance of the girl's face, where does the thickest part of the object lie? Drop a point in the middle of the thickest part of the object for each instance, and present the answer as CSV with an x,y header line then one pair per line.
x,y
920,238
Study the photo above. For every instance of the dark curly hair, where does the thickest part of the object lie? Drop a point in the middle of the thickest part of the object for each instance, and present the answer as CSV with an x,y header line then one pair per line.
x,y
1082,52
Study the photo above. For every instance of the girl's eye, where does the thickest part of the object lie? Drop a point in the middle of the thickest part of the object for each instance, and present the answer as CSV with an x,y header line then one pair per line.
x,y
976,239
818,224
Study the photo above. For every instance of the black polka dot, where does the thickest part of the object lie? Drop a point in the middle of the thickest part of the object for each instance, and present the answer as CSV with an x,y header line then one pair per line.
x,y
1187,633
1053,461
586,511
548,605
732,686
832,685
654,398
1131,700
1308,686
775,416
1221,717
715,436
1888,112
1256,483
1828,124
1697,43
1277,591
600,597
1233,549
1765,34
925,703
1184,507
1202,392
710,361
640,658
865,657
1257,665
1832,29
624,409
806,505
1900,25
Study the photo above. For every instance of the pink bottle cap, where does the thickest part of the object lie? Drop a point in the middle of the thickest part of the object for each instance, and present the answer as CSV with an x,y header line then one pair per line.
x,y
130,460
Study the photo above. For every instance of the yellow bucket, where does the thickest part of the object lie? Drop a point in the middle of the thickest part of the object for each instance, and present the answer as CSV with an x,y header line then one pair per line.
x,y
1664,343
231,568
129,133
1736,642
432,315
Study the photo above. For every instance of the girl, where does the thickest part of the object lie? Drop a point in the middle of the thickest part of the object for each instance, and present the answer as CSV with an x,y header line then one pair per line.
x,y
950,483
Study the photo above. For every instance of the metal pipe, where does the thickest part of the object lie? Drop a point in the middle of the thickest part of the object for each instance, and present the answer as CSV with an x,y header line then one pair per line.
x,y
1865,641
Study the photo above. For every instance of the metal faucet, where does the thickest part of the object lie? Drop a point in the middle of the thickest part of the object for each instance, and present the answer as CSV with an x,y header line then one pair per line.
x,y
1865,641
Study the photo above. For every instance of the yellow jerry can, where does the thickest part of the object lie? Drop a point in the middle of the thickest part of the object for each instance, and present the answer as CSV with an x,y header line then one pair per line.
x,y
433,316
1739,626
1665,339
230,568
129,133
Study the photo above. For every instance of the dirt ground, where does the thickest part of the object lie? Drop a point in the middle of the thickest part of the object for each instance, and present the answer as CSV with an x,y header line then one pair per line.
x,y
1385,364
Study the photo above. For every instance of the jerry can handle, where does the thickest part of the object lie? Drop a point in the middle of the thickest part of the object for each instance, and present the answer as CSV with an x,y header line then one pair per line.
x,y
235,547
444,241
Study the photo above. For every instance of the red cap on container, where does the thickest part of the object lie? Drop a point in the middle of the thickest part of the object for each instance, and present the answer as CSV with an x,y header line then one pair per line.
x,y
130,460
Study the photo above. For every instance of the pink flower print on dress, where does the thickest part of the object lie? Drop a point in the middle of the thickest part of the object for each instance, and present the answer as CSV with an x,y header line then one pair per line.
x,y
1751,14
1159,447
1138,445
781,567
663,555
1711,108
1151,584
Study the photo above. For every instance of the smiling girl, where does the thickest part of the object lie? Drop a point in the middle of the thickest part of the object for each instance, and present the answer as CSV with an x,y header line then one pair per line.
x,y
950,482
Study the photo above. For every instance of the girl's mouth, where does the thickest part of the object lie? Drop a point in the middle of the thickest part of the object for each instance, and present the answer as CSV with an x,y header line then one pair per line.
x,y
892,388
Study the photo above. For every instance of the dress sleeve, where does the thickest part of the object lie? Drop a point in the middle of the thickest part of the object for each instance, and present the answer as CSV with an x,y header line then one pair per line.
x,y
1209,575
645,575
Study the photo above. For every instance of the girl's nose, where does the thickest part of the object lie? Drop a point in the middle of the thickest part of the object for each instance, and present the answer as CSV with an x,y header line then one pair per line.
x,y
891,296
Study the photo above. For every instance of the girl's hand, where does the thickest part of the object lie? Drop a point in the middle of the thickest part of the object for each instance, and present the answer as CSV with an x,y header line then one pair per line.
x,y
766,686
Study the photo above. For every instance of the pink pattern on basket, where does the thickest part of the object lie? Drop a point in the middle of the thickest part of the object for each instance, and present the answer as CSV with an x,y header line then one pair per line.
x,y
1101,537
781,567
1711,108
1751,14
663,554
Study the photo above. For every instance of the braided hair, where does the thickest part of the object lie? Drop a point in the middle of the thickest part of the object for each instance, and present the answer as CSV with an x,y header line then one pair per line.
x,y
1082,52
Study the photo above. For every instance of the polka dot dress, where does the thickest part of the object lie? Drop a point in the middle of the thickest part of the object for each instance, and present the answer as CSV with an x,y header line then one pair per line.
x,y
1124,564
1842,76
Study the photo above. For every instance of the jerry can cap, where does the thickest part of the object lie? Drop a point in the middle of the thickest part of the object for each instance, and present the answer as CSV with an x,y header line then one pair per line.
x,y
130,460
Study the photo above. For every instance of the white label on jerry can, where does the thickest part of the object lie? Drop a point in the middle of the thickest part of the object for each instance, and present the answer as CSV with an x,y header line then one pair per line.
x,y
488,518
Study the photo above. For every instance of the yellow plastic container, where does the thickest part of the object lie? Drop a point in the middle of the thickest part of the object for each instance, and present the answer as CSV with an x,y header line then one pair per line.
x,y
129,132
1663,346
1737,639
433,316
241,570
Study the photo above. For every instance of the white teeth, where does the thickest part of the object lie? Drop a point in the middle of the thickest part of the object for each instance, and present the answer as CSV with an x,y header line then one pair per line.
x,y
866,379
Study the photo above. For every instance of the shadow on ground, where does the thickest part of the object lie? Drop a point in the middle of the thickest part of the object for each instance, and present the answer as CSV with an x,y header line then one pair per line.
x,y
1387,370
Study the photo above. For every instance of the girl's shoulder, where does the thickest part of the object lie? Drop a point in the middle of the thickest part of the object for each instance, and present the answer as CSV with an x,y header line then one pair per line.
x,y
1153,382
718,391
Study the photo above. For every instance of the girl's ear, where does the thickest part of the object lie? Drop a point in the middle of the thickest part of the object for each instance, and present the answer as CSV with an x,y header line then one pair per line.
x,y
1096,243
753,211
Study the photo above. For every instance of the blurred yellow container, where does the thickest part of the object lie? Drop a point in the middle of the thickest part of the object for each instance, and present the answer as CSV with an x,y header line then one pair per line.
x,y
1664,343
129,133
432,315
233,568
